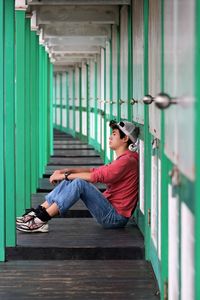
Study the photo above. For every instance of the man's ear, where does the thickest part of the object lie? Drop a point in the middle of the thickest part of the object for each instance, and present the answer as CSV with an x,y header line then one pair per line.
x,y
126,138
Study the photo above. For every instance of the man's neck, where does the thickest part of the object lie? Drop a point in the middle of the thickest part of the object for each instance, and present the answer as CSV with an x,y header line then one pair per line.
x,y
120,151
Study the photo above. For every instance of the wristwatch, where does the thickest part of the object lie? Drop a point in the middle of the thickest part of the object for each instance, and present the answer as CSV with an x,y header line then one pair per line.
x,y
66,175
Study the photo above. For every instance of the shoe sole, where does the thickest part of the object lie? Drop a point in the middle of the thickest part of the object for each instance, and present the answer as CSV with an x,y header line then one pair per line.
x,y
42,230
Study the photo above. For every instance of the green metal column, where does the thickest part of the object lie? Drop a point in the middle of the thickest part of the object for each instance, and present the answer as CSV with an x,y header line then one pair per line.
x,y
41,110
9,110
20,112
197,156
27,116
45,117
2,195
61,97
164,178
147,141
34,111
50,120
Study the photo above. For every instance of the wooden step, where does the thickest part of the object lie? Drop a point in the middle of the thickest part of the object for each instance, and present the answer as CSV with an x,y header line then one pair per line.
x,y
71,238
59,161
75,153
50,169
45,186
73,147
80,280
78,210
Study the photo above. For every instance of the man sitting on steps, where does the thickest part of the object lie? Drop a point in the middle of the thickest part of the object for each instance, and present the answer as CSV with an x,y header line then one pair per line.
x,y
111,209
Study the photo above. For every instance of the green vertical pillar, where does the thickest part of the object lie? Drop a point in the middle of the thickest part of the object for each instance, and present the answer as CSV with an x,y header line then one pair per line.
x,y
34,110
46,95
9,110
197,156
147,138
20,112
27,116
74,106
61,99
165,177
41,82
51,108
130,65
2,197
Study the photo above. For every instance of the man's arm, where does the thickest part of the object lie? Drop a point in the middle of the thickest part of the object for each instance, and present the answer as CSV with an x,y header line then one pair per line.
x,y
58,176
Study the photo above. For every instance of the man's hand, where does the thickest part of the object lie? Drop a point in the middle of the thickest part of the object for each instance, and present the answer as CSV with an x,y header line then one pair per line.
x,y
56,176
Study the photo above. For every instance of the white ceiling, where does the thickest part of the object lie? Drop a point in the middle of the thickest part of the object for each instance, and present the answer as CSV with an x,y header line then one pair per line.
x,y
73,31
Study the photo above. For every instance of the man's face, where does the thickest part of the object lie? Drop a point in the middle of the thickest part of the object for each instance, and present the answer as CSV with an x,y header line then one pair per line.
x,y
114,140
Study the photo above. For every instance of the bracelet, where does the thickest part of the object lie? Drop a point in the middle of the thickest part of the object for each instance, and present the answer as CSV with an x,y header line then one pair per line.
x,y
66,175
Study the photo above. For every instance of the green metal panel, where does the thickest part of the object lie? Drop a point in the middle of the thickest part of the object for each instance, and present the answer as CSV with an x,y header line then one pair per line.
x,y
20,112
138,60
61,100
197,156
179,56
77,101
9,109
41,82
115,71
165,178
2,178
124,49
154,64
50,121
27,116
34,117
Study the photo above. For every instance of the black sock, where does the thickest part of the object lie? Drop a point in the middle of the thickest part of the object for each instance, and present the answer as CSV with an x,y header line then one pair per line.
x,y
43,215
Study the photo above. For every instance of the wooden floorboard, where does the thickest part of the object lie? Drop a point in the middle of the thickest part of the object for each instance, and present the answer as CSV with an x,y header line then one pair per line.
x,y
78,210
51,169
46,186
73,147
80,280
74,161
76,153
79,238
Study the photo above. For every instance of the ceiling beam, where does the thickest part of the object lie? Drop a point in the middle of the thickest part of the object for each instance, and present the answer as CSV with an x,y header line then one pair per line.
x,y
78,2
76,14
76,29
76,41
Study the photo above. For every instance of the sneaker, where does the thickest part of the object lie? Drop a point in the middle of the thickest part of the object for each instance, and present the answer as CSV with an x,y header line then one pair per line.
x,y
34,225
26,217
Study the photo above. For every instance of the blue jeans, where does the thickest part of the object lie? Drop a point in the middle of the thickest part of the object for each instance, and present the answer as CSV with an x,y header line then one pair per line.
x,y
67,193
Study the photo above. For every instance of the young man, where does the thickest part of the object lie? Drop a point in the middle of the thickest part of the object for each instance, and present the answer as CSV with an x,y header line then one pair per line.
x,y
113,208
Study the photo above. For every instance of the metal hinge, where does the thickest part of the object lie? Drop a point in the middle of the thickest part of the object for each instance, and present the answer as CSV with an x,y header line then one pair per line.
x,y
166,290
149,217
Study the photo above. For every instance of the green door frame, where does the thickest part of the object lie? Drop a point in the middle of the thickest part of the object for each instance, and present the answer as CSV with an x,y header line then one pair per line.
x,y
2,190
9,108
20,112
197,156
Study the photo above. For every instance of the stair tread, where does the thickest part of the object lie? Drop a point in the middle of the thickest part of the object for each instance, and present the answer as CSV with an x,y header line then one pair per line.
x,y
74,160
45,185
82,232
85,279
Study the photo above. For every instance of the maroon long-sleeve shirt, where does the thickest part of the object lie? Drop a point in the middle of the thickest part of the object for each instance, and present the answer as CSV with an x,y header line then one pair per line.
x,y
121,178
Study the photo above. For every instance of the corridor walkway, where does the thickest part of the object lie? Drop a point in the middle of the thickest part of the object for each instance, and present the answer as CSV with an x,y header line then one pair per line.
x,y
77,259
